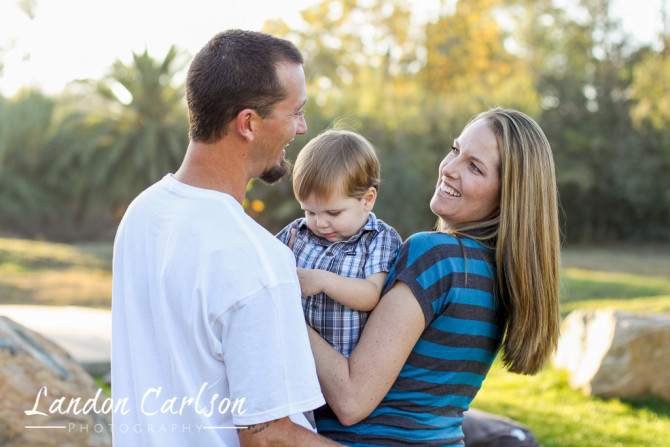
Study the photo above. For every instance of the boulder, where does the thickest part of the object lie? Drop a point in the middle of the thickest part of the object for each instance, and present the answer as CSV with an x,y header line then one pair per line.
x,y
482,429
44,394
611,353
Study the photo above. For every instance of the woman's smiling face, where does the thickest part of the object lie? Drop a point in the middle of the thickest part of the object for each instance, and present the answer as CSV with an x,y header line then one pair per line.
x,y
468,187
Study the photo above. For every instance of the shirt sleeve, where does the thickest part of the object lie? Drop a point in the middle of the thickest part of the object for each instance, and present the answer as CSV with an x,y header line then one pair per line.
x,y
268,359
383,251
430,264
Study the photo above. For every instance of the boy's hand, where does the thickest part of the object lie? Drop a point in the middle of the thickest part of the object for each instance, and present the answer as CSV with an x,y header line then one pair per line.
x,y
311,281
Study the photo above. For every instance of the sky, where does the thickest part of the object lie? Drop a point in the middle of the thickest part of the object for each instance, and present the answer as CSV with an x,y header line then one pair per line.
x,y
76,39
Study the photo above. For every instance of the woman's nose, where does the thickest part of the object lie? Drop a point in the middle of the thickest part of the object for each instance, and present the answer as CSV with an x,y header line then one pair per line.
x,y
450,169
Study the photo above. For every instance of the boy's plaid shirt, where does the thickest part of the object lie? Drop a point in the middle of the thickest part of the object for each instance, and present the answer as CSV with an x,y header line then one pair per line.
x,y
372,250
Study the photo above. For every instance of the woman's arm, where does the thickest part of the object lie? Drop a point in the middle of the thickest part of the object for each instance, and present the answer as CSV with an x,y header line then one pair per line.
x,y
358,293
354,387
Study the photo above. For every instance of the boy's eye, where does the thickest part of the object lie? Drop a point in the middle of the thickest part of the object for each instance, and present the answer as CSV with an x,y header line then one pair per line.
x,y
334,213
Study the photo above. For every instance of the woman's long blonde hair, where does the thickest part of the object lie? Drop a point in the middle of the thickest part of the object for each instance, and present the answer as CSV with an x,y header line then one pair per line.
x,y
526,239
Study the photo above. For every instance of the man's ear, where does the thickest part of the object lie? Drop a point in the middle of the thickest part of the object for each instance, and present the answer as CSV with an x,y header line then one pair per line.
x,y
247,122
369,198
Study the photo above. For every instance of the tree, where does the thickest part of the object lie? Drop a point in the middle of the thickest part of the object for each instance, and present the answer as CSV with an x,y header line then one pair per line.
x,y
138,131
569,66
361,60
583,65
650,86
26,127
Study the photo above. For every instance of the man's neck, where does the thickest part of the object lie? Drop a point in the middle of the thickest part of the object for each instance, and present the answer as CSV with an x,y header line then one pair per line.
x,y
210,166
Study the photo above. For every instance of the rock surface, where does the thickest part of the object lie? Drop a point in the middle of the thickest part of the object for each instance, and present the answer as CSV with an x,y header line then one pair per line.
x,y
34,374
83,332
610,353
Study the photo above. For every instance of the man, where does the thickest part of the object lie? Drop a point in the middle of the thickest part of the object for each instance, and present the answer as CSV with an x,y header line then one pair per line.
x,y
209,343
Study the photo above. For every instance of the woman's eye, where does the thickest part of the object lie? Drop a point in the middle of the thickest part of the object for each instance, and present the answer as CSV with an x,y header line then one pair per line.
x,y
476,169
455,150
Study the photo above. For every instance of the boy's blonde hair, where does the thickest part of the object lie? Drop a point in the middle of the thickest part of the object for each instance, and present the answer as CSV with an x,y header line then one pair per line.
x,y
336,160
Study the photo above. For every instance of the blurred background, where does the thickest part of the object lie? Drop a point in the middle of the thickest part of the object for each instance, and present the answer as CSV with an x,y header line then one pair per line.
x,y
92,111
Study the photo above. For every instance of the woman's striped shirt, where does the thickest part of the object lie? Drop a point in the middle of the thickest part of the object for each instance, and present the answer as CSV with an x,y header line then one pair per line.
x,y
454,283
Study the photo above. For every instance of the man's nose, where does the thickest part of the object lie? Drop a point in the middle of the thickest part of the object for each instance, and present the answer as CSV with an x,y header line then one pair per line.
x,y
302,125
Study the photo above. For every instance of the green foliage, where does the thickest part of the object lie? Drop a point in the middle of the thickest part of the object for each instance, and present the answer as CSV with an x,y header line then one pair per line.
x,y
26,130
651,77
137,141
70,164
611,177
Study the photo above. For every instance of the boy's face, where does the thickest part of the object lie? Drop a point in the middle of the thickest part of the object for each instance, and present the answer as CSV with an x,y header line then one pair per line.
x,y
338,217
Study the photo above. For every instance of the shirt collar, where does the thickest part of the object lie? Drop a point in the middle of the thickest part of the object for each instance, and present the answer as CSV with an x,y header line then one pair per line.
x,y
371,225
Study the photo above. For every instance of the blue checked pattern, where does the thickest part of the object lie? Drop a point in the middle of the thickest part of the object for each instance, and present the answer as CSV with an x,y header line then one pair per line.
x,y
372,250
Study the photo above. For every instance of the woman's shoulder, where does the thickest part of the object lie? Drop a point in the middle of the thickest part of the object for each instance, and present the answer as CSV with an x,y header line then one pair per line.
x,y
433,238
436,245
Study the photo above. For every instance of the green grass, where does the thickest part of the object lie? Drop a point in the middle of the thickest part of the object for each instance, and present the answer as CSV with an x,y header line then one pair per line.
x,y
560,416
627,278
593,289
106,389
43,273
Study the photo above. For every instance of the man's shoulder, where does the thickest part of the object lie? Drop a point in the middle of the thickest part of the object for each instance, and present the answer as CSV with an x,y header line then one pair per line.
x,y
246,231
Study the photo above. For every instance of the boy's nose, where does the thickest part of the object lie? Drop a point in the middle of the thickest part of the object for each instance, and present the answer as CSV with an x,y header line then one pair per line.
x,y
321,223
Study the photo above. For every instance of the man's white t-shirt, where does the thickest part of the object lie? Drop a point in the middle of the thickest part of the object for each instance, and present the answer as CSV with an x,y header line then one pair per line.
x,y
208,331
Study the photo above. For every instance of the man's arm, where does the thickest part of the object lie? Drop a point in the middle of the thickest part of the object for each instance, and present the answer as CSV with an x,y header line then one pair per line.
x,y
281,432
358,293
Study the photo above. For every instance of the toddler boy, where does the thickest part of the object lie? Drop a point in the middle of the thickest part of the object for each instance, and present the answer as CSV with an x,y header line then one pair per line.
x,y
343,252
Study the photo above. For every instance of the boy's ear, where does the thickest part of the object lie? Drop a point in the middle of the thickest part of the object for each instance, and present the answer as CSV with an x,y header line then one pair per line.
x,y
246,123
369,198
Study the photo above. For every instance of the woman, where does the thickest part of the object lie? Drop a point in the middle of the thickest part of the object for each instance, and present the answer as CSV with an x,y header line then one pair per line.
x,y
488,279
